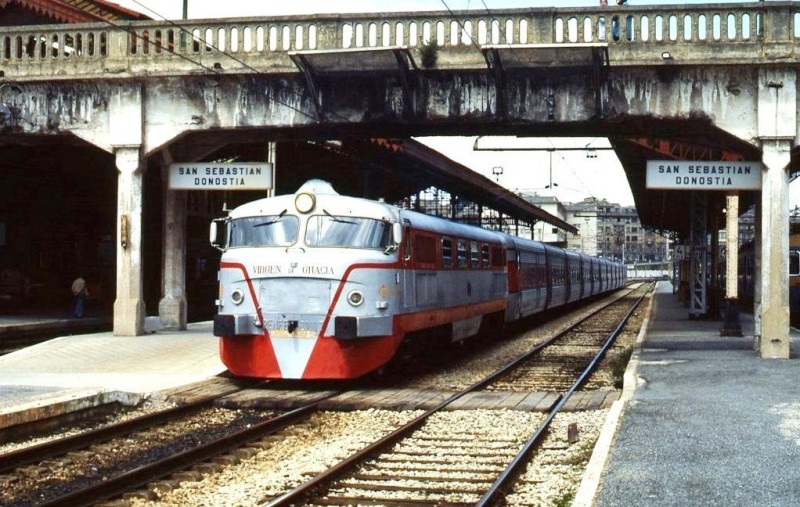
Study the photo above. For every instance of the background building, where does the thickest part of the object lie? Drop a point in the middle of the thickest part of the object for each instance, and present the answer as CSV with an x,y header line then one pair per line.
x,y
605,229
584,216
542,231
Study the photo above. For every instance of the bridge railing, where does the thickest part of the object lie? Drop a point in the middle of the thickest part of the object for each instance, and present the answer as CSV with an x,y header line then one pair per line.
x,y
262,44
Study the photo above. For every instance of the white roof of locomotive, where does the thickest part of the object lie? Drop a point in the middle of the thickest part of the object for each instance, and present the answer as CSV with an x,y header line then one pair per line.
x,y
354,206
357,206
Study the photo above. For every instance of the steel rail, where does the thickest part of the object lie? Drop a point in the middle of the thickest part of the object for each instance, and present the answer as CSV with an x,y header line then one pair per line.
x,y
300,492
115,486
27,455
514,468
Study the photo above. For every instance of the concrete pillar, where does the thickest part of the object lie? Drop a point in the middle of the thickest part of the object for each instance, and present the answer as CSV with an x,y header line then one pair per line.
x,y
731,324
272,158
714,296
777,130
757,275
773,341
129,309
172,307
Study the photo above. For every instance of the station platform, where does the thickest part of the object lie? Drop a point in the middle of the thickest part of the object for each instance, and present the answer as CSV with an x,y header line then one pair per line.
x,y
72,373
703,421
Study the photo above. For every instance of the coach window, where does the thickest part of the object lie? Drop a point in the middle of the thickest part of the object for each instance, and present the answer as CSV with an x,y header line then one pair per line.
x,y
462,253
794,263
425,249
474,260
485,255
447,252
541,270
498,257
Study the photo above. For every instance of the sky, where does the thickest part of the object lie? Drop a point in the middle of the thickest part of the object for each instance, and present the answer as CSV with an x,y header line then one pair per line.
x,y
570,174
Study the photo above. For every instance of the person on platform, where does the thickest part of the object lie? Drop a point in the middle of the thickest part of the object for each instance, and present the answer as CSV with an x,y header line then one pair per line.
x,y
80,292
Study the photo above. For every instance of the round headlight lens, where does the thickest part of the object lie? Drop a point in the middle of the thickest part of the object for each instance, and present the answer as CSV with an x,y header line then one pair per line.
x,y
304,202
237,296
355,298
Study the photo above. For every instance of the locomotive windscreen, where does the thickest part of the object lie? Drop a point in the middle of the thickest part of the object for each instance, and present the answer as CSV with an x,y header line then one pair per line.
x,y
268,230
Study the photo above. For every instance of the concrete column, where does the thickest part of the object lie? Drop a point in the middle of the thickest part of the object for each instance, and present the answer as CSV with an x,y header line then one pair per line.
x,y
731,324
272,158
777,130
172,307
773,341
757,276
129,309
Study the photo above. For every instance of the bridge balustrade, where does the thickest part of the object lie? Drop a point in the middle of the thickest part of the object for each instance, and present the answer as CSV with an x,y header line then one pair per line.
x,y
660,27
167,47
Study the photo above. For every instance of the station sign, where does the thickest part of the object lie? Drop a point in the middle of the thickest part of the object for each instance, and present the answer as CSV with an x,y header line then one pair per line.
x,y
220,176
703,175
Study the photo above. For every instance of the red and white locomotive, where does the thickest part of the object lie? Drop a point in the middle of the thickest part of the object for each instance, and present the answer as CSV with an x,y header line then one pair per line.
x,y
318,285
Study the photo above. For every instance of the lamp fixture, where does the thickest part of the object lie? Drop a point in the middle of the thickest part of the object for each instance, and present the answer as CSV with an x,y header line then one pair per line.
x,y
497,171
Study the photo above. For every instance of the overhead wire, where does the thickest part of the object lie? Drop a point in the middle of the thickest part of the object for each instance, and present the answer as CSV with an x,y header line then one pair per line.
x,y
504,34
572,169
182,29
249,67
222,51
133,33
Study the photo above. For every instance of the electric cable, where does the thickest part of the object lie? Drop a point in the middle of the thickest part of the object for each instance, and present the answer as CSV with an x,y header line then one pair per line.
x,y
237,60
249,67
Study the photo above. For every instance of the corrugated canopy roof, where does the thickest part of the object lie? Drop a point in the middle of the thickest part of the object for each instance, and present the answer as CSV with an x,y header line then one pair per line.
x,y
76,11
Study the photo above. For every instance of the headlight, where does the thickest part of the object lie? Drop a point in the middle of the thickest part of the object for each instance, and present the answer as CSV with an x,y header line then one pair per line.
x,y
237,296
304,202
355,298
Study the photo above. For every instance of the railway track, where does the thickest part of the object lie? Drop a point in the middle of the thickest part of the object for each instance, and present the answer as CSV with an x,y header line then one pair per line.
x,y
438,459
561,358
452,457
85,468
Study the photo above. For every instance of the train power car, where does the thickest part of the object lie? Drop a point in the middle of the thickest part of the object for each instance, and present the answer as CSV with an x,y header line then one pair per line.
x,y
317,285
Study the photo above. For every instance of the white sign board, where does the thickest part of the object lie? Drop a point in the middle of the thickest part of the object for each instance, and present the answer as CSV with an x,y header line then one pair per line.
x,y
703,175
218,176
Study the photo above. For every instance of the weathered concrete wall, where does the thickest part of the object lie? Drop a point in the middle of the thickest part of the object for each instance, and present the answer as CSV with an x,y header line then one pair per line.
x,y
229,73
155,111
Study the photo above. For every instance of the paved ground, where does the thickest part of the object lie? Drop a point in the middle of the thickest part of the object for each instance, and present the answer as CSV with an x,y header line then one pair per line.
x,y
76,372
710,424
131,363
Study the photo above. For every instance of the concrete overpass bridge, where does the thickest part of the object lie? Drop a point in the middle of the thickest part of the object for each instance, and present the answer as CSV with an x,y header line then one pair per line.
x,y
719,79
